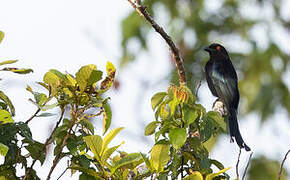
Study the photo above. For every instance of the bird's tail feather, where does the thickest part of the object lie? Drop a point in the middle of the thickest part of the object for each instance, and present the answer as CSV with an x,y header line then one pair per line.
x,y
234,130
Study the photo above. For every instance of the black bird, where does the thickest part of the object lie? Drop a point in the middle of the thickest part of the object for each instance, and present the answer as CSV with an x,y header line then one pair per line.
x,y
222,81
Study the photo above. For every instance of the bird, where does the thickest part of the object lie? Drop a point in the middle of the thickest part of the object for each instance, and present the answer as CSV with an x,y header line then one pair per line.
x,y
222,81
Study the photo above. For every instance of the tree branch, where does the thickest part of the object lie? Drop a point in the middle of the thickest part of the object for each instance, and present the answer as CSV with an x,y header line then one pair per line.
x,y
281,167
47,142
237,165
174,50
245,172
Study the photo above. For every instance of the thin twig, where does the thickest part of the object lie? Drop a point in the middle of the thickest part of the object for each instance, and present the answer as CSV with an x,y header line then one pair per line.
x,y
197,88
281,167
237,165
245,172
174,50
47,142
38,110
62,173
58,155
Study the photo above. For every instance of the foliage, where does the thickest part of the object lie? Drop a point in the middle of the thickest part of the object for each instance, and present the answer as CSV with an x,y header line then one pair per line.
x,y
261,62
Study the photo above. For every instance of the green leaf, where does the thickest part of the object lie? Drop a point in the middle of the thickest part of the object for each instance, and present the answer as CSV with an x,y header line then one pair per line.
x,y
108,138
128,159
177,137
172,105
88,125
213,175
107,116
157,99
24,131
71,80
52,79
18,71
87,75
109,151
8,61
45,115
217,164
94,142
40,98
36,151
194,176
189,116
159,156
5,117
3,149
90,171
1,36
150,128
147,162
4,98
217,119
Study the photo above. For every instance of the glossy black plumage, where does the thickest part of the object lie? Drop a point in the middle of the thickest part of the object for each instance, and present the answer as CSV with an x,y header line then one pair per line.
x,y
222,81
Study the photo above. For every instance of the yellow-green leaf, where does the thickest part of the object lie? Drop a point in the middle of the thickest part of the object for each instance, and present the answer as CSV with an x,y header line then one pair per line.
x,y
5,98
177,137
3,149
51,79
88,75
94,142
150,128
5,117
213,175
1,36
194,176
128,159
108,138
107,116
160,156
109,151
157,99
8,62
71,80
18,71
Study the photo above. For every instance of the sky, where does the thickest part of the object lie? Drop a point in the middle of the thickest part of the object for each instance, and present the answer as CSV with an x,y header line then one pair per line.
x,y
67,34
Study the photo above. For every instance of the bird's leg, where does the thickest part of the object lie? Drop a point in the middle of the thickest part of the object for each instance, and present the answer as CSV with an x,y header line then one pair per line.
x,y
220,107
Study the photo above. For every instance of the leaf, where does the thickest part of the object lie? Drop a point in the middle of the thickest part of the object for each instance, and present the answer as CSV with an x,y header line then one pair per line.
x,y
147,162
217,119
87,75
51,79
128,159
107,116
3,149
18,71
108,138
4,98
157,99
45,115
8,61
189,116
177,137
88,125
71,80
213,175
194,176
217,164
94,142
150,128
1,36
109,151
160,156
5,117
36,151
172,105
90,171
108,81
24,131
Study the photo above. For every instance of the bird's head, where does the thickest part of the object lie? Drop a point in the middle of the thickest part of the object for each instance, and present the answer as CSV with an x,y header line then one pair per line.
x,y
216,49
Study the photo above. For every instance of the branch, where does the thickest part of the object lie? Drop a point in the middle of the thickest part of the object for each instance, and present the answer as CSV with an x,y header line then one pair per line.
x,y
197,88
47,142
237,165
245,172
174,50
281,167
58,155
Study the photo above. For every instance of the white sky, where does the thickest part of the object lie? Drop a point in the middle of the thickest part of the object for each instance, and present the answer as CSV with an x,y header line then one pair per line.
x,y
66,34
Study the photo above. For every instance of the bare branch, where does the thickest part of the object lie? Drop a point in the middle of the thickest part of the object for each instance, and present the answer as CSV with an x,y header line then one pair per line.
x,y
197,88
174,50
237,165
281,167
249,160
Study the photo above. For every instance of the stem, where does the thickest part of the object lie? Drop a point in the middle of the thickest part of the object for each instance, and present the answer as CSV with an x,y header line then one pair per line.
x,y
245,172
58,155
174,50
38,110
47,142
237,165
281,167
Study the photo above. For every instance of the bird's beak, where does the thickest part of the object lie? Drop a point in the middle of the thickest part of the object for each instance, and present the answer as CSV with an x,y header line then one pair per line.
x,y
207,49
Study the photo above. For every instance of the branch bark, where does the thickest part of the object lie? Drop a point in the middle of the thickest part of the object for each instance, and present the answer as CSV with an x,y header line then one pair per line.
x,y
237,165
174,50
245,172
281,167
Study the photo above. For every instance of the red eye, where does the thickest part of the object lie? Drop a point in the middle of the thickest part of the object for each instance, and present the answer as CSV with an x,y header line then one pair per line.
x,y
218,48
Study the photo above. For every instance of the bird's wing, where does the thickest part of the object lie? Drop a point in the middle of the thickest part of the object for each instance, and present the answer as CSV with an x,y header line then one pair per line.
x,y
224,79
